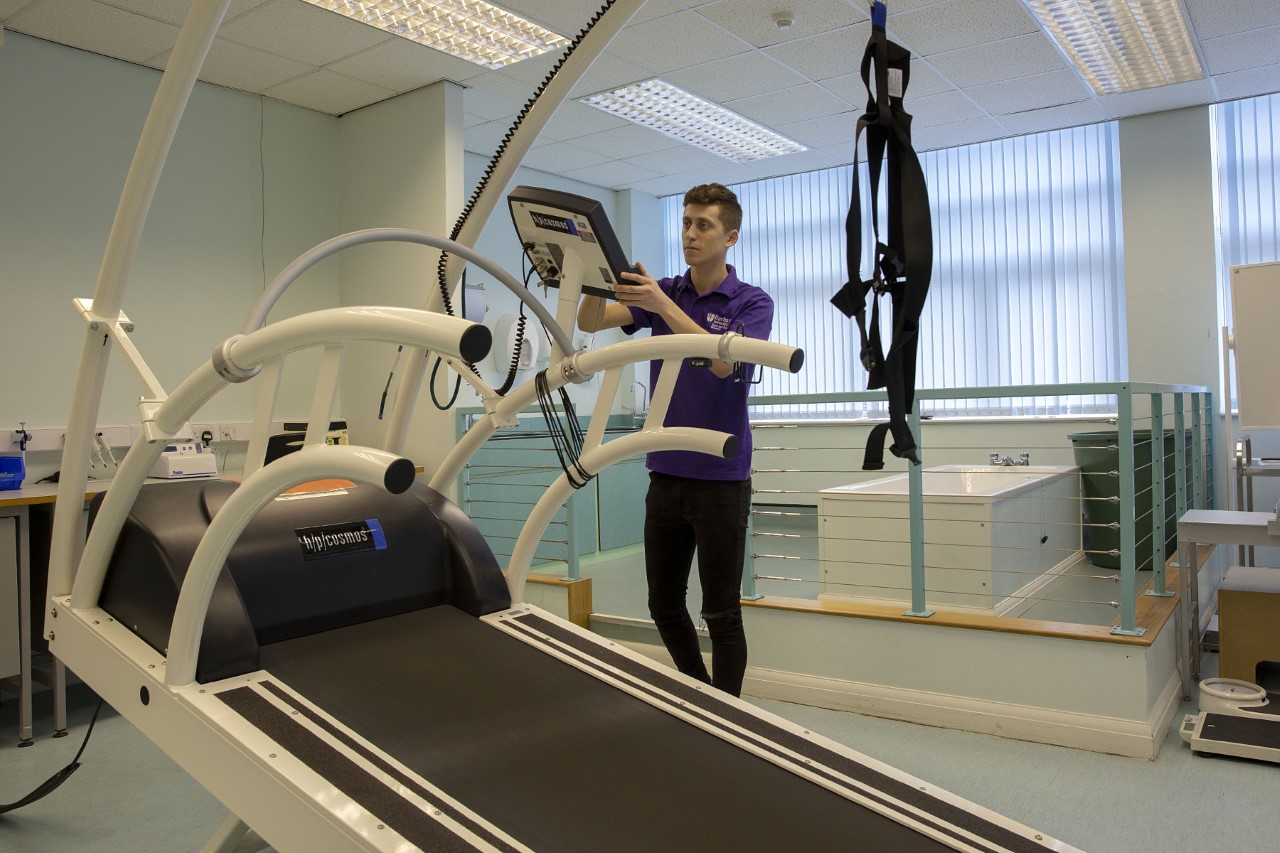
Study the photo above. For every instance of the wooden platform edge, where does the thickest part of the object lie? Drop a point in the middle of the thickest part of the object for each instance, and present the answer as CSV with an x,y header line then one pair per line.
x,y
1151,614
578,591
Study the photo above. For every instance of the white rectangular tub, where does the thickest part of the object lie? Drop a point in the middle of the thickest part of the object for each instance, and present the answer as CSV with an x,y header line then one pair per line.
x,y
993,536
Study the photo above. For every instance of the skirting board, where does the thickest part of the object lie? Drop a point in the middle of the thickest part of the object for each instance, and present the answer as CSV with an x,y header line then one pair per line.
x,y
1111,735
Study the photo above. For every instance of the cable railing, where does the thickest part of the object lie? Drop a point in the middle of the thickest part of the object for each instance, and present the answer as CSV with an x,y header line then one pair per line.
x,y
1027,518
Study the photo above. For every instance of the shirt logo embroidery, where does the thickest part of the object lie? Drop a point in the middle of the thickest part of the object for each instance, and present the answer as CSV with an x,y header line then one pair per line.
x,y
716,323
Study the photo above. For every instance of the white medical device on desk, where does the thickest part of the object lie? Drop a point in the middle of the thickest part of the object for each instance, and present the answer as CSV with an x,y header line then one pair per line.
x,y
179,461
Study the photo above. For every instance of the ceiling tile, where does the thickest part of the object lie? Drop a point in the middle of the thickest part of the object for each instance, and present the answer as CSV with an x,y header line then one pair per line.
x,y
1215,18
533,70
960,23
658,8
485,137
8,8
665,44
944,108
302,32
832,54
627,141
565,17
736,77
560,157
788,164
753,21
1242,50
402,66
611,175
573,119
789,105
821,132
99,29
327,92
682,158
609,72
238,67
1054,118
1020,56
1031,93
494,95
841,152
1172,97
959,133
924,82
664,186
1246,84
175,11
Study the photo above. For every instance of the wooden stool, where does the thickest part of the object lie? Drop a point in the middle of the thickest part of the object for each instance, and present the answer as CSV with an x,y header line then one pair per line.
x,y
1248,621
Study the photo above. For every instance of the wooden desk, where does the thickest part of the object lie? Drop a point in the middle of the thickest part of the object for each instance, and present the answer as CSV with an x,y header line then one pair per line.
x,y
17,504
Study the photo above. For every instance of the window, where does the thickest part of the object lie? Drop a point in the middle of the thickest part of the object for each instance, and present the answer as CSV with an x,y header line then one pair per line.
x,y
1028,269
1245,136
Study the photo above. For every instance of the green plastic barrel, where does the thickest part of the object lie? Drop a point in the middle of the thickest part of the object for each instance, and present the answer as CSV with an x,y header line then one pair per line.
x,y
1097,454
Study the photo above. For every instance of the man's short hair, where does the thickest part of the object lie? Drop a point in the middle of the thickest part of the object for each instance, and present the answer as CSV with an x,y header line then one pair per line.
x,y
730,210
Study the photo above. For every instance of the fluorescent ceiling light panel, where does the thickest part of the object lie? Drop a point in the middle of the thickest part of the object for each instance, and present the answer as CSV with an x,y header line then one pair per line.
x,y
671,110
470,29
1122,45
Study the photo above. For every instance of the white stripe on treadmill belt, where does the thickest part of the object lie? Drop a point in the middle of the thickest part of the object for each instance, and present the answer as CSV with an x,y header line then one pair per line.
x,y
820,774
438,810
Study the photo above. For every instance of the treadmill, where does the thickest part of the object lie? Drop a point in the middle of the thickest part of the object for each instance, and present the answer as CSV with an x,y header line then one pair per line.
x,y
394,692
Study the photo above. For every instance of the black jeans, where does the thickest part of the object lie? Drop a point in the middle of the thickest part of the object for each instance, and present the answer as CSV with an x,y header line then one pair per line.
x,y
682,515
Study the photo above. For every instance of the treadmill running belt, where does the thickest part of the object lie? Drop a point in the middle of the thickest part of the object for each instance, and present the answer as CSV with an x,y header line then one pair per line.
x,y
555,757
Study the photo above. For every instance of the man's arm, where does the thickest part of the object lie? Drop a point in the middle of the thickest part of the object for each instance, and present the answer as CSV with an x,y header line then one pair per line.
x,y
643,292
594,314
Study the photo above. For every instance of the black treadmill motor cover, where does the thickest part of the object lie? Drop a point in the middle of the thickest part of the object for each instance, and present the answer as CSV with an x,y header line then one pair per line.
x,y
308,562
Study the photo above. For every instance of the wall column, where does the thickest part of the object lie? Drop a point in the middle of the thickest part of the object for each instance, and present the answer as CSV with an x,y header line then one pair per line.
x,y
1170,268
402,166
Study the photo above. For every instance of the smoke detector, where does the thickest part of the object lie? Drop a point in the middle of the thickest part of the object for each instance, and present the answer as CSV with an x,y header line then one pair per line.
x,y
784,20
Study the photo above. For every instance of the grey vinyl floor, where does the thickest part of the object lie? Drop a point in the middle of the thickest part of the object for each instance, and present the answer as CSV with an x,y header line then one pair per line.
x,y
129,796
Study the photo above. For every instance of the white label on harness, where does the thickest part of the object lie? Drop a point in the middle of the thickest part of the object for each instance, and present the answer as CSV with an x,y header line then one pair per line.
x,y
895,82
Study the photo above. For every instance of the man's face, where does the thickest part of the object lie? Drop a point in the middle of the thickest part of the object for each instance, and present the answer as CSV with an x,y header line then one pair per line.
x,y
703,235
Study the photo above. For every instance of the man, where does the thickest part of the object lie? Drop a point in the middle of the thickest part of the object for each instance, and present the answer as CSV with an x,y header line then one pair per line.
x,y
697,501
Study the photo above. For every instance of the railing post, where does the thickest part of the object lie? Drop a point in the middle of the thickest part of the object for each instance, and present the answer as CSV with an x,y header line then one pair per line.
x,y
1158,508
915,506
1197,451
1211,496
749,592
573,570
1128,550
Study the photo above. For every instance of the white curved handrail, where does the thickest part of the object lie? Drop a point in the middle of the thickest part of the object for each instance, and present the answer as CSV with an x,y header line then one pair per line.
x,y
407,326
592,462
179,78
362,464
727,347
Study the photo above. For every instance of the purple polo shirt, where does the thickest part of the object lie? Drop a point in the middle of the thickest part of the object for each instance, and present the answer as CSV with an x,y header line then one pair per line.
x,y
701,399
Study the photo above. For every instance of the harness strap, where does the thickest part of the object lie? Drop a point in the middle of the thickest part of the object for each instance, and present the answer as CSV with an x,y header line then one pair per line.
x,y
903,262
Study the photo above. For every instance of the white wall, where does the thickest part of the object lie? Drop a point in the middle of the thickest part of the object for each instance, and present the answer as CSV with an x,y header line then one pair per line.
x,y
69,123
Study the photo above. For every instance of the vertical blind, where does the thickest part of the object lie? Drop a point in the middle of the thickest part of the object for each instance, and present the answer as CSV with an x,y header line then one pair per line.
x,y
1245,137
1027,281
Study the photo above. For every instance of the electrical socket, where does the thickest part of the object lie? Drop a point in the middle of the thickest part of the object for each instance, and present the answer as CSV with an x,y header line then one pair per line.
x,y
235,431
198,429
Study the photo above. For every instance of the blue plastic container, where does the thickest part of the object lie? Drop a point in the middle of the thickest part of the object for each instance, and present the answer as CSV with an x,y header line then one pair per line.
x,y
13,470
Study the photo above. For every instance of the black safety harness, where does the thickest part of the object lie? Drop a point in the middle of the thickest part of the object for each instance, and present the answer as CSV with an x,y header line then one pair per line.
x,y
904,262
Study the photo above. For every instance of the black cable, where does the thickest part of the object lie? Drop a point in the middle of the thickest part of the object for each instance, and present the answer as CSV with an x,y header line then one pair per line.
x,y
442,265
566,442
51,784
